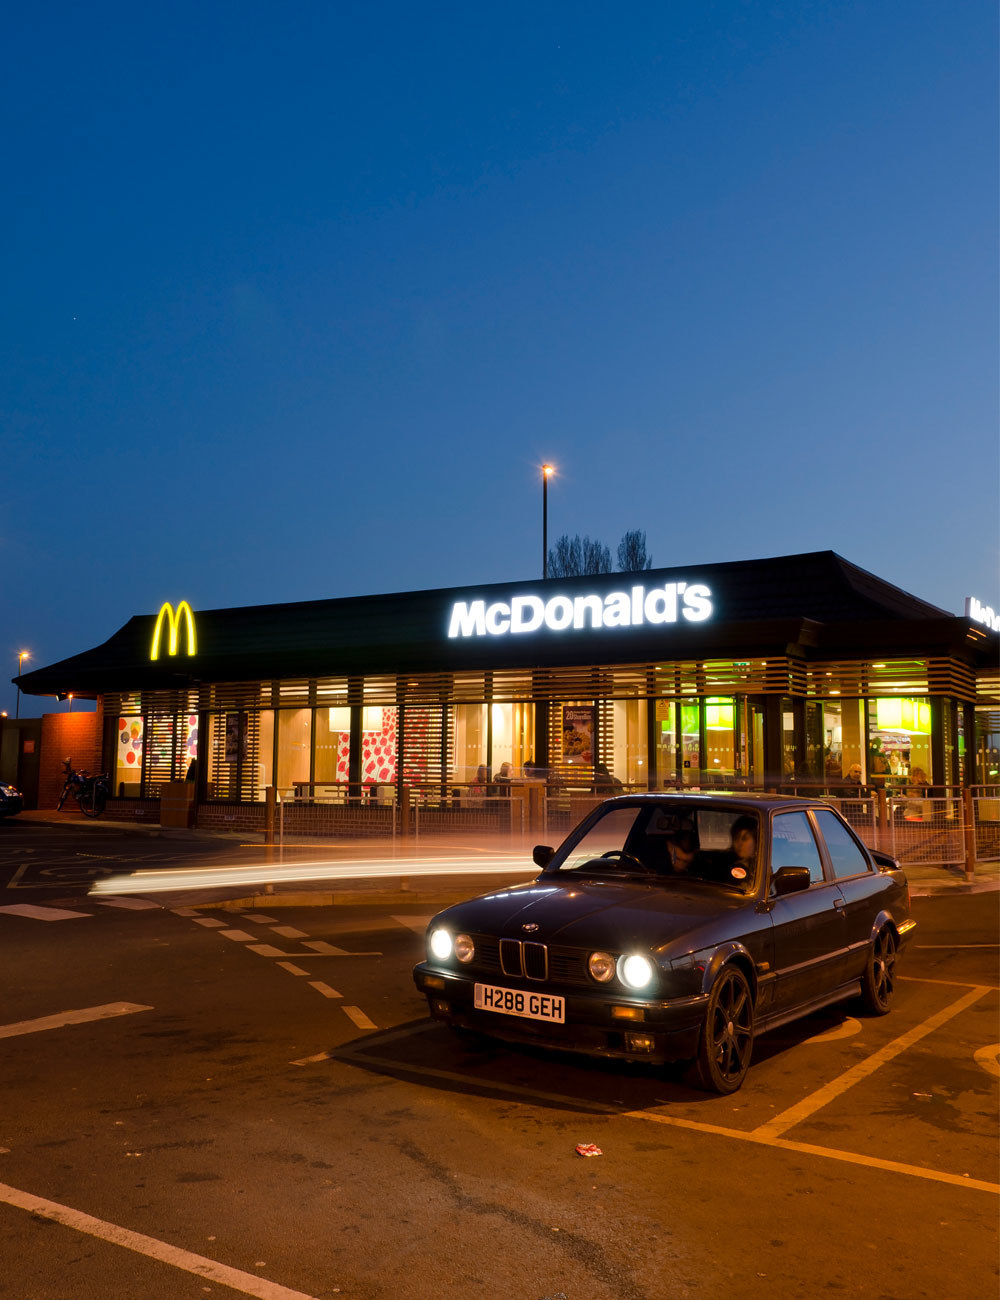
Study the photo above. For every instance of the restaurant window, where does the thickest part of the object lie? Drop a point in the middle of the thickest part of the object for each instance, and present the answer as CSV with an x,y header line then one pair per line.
x,y
691,743
263,762
628,741
899,740
128,756
720,739
333,743
468,741
843,748
237,753
294,741
513,736
379,744
665,740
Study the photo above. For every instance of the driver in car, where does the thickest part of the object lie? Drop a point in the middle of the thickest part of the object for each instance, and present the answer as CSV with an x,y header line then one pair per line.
x,y
683,848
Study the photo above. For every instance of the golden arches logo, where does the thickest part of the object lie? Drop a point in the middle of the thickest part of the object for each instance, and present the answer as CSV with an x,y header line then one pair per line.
x,y
173,622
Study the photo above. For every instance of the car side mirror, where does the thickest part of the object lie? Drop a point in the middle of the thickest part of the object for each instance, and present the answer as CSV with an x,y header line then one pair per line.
x,y
542,855
791,880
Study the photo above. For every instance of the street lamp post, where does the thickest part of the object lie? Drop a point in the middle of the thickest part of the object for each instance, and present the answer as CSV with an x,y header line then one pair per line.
x,y
21,656
547,470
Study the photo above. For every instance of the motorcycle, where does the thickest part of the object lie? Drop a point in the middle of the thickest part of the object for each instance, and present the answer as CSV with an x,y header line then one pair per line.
x,y
90,792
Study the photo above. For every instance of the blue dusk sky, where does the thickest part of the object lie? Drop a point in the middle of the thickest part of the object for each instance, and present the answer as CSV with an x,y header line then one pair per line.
x,y
297,298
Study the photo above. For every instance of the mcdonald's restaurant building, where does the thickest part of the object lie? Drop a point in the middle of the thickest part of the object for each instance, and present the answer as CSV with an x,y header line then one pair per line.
x,y
772,674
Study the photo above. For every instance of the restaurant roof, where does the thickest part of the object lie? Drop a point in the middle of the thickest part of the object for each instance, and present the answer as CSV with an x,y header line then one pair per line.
x,y
757,606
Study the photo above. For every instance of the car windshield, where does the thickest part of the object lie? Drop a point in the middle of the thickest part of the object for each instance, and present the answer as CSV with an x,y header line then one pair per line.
x,y
668,842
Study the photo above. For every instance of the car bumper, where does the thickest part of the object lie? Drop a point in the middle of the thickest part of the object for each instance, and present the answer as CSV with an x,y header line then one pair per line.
x,y
11,807
596,1024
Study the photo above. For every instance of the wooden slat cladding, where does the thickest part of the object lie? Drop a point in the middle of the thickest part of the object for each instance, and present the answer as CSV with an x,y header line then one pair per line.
x,y
423,756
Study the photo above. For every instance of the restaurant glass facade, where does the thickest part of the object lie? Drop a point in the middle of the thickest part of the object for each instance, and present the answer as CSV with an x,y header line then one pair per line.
x,y
324,738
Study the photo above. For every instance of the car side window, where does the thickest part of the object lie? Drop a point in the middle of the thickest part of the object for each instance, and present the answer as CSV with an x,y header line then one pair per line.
x,y
794,845
845,853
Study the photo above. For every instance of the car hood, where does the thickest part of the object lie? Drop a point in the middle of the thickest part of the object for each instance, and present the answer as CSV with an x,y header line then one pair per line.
x,y
591,913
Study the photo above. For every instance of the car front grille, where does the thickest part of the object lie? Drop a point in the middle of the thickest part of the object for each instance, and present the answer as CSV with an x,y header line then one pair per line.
x,y
517,959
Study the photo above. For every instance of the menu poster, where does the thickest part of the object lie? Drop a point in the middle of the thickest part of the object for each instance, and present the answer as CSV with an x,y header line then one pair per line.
x,y
578,733
236,737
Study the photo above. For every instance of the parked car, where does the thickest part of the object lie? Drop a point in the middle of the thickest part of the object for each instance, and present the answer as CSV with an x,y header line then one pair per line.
x,y
675,927
11,801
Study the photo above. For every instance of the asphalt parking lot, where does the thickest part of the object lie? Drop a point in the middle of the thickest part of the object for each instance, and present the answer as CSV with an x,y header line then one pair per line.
x,y
258,1104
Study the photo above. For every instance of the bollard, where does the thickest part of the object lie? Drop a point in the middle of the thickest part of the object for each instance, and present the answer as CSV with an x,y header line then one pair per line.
x,y
883,838
404,810
269,806
969,814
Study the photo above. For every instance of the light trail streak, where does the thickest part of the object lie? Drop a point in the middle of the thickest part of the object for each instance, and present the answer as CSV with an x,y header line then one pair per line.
x,y
275,873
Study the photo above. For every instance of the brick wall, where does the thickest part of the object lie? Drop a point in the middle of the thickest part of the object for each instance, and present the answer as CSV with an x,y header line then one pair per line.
x,y
67,735
230,816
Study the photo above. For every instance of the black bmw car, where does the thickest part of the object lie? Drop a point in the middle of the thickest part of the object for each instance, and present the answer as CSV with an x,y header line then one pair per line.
x,y
675,928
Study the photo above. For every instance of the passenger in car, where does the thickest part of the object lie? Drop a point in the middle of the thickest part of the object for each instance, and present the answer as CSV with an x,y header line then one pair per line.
x,y
743,833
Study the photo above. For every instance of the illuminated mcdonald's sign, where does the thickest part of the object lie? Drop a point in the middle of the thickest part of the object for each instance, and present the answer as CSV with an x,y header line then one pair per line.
x,y
173,622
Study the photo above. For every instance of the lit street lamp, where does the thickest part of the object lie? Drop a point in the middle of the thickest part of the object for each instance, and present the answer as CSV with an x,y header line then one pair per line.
x,y
21,656
547,471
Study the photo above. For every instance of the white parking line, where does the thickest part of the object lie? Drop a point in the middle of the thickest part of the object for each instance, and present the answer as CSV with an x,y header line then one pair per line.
x,y
359,1018
210,922
238,936
325,989
291,968
209,1269
288,932
823,1096
81,1017
321,945
265,950
42,913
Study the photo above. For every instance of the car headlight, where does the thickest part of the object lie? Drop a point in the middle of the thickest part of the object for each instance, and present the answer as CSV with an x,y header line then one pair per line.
x,y
601,966
635,971
465,949
440,945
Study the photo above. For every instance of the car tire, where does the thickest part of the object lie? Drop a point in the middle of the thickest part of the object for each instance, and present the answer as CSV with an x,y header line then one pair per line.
x,y
726,1041
878,984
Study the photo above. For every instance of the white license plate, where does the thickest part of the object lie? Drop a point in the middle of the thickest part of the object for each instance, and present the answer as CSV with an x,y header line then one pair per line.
x,y
515,1002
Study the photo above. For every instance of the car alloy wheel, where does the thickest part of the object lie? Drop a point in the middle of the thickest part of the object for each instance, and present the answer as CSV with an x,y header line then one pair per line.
x,y
879,980
727,1035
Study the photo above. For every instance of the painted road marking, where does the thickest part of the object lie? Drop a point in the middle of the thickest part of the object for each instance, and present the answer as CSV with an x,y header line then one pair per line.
x,y
291,968
321,945
238,936
265,950
953,947
258,917
81,1017
209,1269
848,1029
325,989
288,932
806,1148
42,913
823,1096
130,904
313,1060
359,1018
185,911
989,1059
211,922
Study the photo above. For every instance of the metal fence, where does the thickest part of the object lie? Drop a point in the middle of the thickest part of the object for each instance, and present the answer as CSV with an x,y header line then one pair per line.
x,y
939,826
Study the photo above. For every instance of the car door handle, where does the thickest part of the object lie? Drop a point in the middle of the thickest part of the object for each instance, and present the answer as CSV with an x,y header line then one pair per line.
x,y
839,904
